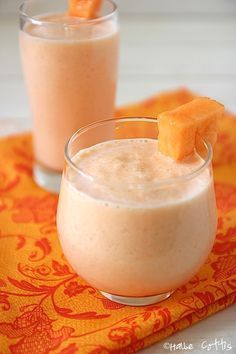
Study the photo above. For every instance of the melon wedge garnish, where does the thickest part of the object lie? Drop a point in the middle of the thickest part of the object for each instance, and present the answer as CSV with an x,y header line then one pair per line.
x,y
180,129
87,9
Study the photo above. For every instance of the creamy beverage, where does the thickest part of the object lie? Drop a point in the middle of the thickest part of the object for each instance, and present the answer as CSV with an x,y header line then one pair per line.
x,y
70,74
132,221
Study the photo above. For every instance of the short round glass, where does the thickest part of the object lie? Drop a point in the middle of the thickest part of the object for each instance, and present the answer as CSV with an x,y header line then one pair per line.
x,y
135,253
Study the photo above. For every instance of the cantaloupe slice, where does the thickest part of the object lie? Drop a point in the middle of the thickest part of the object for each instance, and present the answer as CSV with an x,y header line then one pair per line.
x,y
179,129
176,136
84,8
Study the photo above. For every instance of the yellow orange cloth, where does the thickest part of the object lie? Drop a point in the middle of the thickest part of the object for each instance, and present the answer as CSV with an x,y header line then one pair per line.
x,y
45,307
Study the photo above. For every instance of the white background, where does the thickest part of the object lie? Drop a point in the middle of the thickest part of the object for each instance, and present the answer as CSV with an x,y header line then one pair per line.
x,y
164,44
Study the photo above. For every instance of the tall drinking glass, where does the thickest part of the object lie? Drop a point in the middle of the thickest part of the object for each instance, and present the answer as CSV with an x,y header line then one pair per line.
x,y
70,71
134,241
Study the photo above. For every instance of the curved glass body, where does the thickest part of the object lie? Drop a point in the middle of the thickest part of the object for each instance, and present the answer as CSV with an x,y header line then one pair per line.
x,y
135,251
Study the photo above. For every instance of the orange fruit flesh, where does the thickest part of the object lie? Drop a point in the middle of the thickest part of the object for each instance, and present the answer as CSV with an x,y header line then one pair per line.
x,y
87,9
180,129
176,136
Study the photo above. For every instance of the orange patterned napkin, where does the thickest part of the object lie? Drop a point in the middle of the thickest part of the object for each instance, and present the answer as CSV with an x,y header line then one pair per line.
x,y
45,307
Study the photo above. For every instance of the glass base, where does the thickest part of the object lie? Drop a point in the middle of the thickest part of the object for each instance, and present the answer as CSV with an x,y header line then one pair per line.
x,y
137,301
47,179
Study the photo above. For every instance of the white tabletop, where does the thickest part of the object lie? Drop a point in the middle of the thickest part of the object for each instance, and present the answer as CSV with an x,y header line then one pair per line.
x,y
158,52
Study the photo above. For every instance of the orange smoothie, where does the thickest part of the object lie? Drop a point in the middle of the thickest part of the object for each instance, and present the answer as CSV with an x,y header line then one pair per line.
x,y
130,223
70,69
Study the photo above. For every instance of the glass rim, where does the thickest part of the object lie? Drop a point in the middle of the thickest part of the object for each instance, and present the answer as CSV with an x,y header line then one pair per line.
x,y
162,182
79,21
